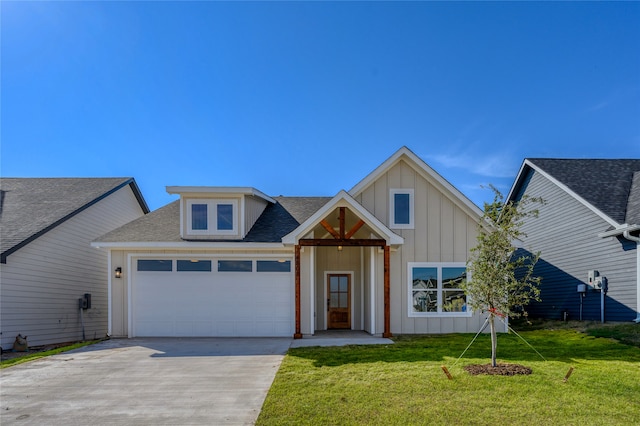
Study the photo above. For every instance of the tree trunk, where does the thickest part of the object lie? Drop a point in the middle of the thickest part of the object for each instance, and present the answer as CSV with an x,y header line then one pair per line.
x,y
494,341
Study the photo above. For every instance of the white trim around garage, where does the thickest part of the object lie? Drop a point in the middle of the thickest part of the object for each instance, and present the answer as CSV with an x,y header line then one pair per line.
x,y
172,256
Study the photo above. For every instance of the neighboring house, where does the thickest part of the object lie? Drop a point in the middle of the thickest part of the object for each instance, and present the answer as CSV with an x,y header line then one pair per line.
x,y
386,257
47,262
590,222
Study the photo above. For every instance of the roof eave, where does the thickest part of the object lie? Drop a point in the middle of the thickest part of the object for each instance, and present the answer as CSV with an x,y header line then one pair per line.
x,y
132,184
236,245
427,170
226,190
517,183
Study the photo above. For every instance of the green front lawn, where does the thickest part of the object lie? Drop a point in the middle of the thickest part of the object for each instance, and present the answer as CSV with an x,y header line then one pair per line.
x,y
404,384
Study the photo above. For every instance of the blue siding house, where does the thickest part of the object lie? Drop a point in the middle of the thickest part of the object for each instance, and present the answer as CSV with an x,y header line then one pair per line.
x,y
590,222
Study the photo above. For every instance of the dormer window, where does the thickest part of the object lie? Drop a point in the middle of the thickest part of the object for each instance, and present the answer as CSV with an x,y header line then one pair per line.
x,y
212,217
199,218
401,209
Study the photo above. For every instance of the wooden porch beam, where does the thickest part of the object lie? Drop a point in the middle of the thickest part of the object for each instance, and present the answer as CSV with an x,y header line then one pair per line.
x,y
346,243
387,294
330,229
298,333
353,230
341,221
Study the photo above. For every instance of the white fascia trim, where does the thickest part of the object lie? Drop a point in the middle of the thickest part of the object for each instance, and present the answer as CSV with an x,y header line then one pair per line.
x,y
191,245
515,182
565,188
343,199
226,190
426,171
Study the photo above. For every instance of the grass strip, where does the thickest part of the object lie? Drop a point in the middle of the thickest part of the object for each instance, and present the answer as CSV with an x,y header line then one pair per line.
x,y
37,355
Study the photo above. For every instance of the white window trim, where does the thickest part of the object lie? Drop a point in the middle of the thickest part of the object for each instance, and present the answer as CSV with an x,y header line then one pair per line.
x,y
392,210
439,266
212,216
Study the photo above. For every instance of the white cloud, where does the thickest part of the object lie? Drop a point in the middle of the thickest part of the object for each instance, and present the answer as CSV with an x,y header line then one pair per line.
x,y
494,165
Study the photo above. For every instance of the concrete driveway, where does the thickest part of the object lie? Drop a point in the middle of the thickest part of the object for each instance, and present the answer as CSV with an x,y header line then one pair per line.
x,y
150,381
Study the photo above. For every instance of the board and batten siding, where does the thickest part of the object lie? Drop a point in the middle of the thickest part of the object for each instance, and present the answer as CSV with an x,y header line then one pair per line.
x,y
253,207
443,232
566,234
347,261
42,281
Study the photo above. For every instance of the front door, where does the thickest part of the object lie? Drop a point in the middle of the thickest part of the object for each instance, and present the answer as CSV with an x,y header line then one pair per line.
x,y
338,301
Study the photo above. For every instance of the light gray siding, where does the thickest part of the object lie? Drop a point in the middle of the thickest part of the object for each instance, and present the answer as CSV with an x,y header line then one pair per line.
x,y
42,282
566,233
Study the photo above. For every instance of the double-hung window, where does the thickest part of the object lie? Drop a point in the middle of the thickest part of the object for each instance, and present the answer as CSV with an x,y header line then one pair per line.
x,y
212,217
435,289
401,208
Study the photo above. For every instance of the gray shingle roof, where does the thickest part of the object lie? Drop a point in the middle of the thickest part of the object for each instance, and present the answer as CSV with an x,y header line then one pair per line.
x,y
633,204
605,184
30,207
163,225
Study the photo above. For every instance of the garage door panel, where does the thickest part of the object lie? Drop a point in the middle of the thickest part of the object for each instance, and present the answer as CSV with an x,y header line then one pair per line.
x,y
212,304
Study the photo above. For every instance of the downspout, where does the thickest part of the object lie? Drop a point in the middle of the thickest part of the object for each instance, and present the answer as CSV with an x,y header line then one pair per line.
x,y
630,237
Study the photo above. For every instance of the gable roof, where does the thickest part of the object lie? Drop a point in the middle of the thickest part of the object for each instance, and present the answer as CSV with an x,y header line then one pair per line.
x,y
427,172
343,199
30,207
609,187
162,226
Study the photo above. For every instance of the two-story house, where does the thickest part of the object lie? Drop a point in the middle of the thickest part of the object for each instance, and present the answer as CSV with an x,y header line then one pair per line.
x,y
385,257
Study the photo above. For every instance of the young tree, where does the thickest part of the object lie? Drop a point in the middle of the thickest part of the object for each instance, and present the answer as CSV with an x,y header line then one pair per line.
x,y
502,280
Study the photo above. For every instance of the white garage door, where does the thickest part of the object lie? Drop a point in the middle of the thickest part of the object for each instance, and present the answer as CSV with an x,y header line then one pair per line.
x,y
176,297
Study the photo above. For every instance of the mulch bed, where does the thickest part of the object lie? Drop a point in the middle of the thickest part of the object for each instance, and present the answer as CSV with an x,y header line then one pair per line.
x,y
499,370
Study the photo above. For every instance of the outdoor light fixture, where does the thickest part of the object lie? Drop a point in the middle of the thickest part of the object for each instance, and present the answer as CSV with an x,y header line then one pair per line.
x,y
118,272
339,248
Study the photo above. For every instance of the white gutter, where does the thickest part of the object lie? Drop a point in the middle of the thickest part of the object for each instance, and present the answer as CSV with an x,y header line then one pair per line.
x,y
628,236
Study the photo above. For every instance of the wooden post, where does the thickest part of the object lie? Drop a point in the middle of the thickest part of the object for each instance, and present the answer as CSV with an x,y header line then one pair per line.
x,y
387,294
297,334
568,375
446,371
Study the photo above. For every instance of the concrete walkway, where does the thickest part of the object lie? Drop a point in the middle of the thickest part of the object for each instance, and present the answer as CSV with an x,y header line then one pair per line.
x,y
340,338
151,381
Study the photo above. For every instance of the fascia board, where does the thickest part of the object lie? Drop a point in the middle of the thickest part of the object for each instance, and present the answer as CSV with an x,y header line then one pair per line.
x,y
566,189
226,190
371,177
516,183
427,172
343,199
187,245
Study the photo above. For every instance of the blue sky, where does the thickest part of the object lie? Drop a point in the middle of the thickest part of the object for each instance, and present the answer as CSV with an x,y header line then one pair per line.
x,y
307,98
